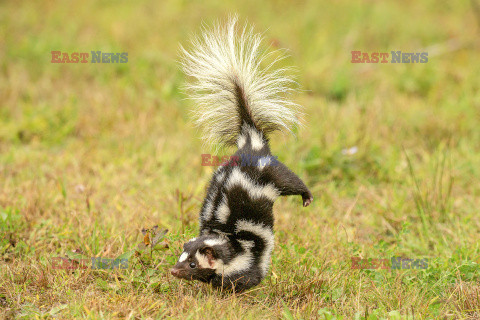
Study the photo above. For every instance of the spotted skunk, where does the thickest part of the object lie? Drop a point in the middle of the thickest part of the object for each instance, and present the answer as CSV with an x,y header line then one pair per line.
x,y
238,104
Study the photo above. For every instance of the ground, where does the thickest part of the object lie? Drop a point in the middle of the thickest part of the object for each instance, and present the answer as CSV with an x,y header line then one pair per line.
x,y
92,153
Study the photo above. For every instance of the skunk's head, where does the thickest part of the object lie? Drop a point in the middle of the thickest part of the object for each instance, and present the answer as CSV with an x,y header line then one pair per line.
x,y
201,258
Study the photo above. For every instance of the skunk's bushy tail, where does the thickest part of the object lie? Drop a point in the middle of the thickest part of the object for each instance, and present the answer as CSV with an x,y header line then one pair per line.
x,y
230,87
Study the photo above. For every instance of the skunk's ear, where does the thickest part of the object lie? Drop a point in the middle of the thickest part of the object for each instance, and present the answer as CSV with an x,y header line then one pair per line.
x,y
210,253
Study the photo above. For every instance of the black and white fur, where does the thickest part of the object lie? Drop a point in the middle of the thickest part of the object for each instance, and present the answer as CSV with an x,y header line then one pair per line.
x,y
238,104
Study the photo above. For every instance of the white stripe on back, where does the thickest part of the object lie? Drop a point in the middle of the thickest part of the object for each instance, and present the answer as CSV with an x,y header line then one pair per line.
x,y
239,263
241,141
215,242
256,139
223,212
220,176
207,212
264,161
255,191
263,232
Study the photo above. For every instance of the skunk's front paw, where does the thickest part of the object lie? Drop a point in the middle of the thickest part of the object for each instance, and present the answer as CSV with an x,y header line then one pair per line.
x,y
307,199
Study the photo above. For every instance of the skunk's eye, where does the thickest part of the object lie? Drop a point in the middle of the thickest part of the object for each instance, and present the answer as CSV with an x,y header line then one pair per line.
x,y
192,265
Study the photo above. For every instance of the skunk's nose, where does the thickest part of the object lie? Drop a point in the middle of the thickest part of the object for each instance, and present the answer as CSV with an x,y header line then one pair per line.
x,y
175,272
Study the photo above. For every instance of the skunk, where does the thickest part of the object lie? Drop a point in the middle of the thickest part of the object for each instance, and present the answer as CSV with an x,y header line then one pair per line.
x,y
238,104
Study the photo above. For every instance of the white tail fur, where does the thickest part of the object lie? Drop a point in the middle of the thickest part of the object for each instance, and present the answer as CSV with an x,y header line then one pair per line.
x,y
230,87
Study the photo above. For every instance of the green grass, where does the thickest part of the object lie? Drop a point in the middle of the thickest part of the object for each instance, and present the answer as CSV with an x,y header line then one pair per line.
x,y
91,153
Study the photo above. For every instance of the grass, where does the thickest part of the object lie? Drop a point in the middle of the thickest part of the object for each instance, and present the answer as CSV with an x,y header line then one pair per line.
x,y
91,154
